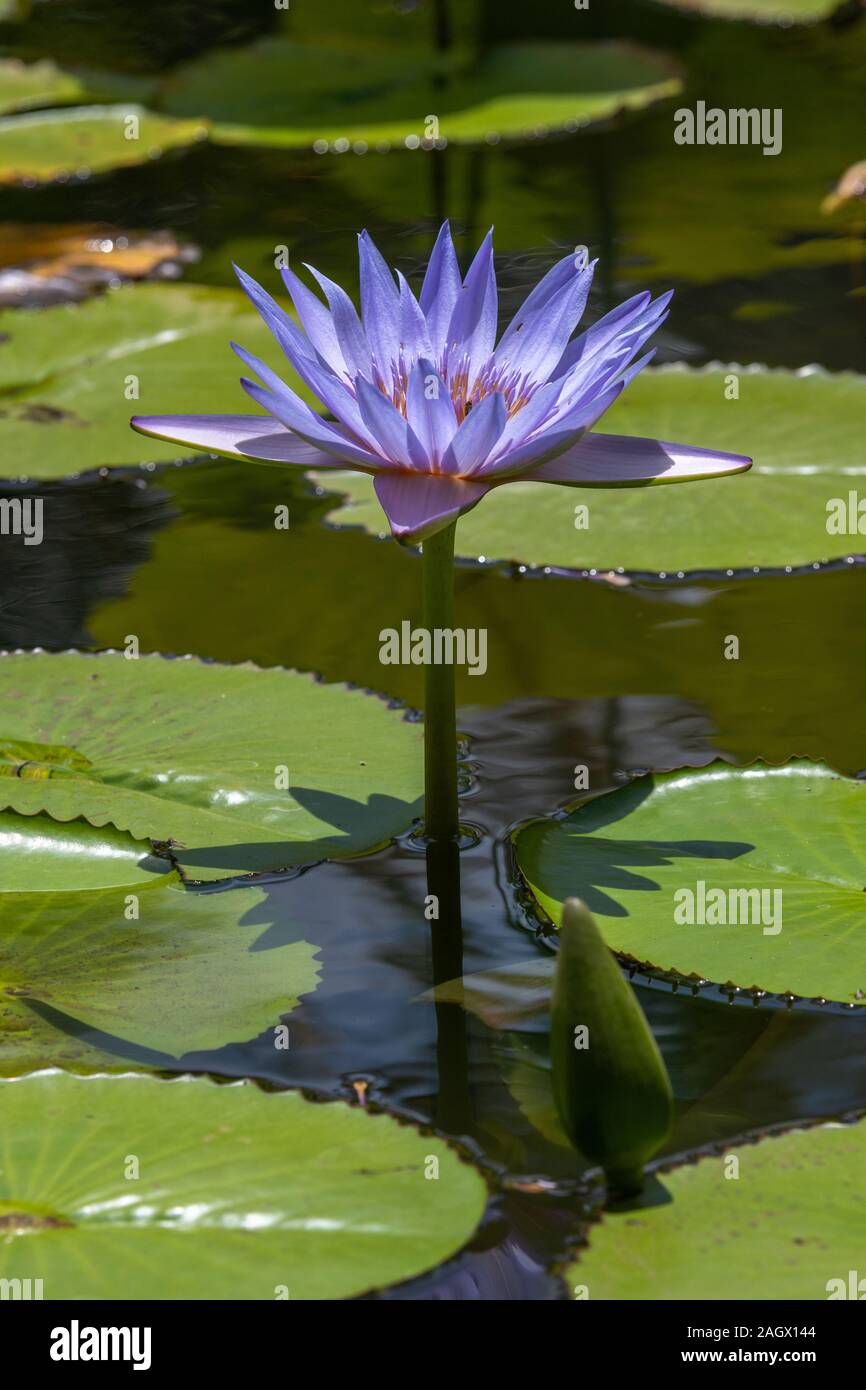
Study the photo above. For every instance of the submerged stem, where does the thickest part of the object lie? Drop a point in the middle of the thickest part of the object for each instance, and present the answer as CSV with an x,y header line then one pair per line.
x,y
440,712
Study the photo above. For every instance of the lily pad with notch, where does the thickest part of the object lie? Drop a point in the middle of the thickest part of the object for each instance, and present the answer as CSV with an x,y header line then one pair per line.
x,y
752,876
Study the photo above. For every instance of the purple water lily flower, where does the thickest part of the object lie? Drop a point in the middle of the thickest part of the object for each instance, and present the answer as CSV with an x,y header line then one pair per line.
x,y
424,398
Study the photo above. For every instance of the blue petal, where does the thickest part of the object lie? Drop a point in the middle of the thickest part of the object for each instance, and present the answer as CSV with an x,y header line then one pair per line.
x,y
380,307
476,437
414,335
441,289
388,427
473,324
541,336
317,322
430,411
347,324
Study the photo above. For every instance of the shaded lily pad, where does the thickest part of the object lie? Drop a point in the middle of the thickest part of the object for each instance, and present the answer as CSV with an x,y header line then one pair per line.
x,y
43,83
71,377
278,92
243,769
236,1194
101,979
781,1229
802,428
666,864
43,145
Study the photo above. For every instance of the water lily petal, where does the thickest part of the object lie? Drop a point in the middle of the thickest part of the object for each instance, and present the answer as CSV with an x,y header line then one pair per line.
x,y
441,289
419,505
472,331
430,411
395,441
611,460
635,313
259,438
347,324
552,439
537,337
414,334
287,406
474,440
380,307
317,322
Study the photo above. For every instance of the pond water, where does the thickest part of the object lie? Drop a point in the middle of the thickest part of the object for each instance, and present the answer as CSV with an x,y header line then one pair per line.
x,y
614,674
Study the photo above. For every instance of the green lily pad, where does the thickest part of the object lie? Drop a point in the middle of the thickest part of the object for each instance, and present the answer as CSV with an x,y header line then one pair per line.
x,y
786,835
785,1228
237,1194
802,429
101,979
43,856
762,11
43,145
243,769
71,377
43,83
278,92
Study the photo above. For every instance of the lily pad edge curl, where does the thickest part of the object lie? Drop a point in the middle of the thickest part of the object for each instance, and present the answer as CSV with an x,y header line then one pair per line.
x,y
546,837
28,796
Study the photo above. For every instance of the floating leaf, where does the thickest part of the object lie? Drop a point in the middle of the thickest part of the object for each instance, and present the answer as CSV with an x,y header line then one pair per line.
x,y
769,856
41,855
782,1227
243,769
101,979
278,92
237,1194
43,83
66,375
762,11
802,428
43,145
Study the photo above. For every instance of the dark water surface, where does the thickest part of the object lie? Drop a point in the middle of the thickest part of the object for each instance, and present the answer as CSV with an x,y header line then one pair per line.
x,y
616,676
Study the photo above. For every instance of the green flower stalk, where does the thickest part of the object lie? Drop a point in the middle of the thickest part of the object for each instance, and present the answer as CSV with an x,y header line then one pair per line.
x,y
422,394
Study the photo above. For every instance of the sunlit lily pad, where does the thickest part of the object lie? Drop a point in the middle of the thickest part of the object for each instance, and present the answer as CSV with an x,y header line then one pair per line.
x,y
753,876
41,855
187,1190
242,769
121,976
762,11
278,92
81,140
803,430
71,377
777,1224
